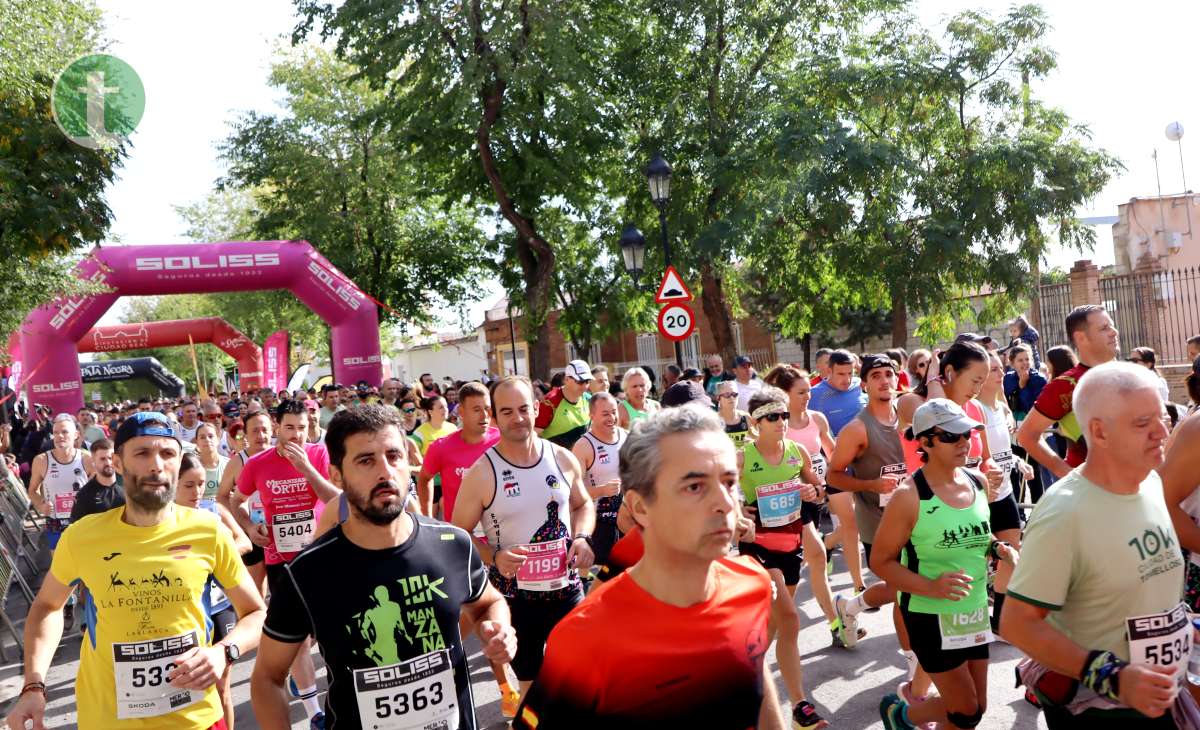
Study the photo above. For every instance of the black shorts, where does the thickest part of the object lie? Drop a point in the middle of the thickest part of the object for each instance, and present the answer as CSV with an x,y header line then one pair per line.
x,y
787,563
867,555
604,537
810,513
925,638
223,623
532,621
276,573
254,557
1005,514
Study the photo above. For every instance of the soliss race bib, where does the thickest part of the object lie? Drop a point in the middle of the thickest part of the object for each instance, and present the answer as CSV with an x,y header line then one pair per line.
x,y
1004,460
63,502
1163,639
965,629
141,668
545,566
419,693
778,504
293,531
820,466
896,470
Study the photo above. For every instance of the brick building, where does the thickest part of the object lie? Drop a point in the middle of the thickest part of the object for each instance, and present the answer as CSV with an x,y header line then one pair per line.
x,y
621,351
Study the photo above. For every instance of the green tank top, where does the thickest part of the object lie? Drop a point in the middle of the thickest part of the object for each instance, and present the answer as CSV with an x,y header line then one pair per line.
x,y
635,415
945,540
773,490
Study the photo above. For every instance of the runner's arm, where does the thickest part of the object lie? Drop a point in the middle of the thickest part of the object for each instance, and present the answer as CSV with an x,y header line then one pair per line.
x,y
329,518
267,694
1179,476
477,490
808,475
238,507
88,467
823,427
1031,437
583,509
770,717
490,606
240,541
37,478
1024,625
251,611
623,416
425,492
850,443
228,480
895,529
44,627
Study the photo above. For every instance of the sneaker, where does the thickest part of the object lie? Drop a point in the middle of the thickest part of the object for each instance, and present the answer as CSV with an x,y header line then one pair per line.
x,y
317,722
905,693
891,711
837,642
848,628
509,703
805,717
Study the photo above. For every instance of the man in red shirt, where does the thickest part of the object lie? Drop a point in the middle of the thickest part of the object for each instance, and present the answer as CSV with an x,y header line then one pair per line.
x,y
453,455
1096,340
628,656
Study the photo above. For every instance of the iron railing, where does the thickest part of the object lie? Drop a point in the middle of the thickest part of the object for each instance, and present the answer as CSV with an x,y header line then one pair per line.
x,y
1055,304
1155,309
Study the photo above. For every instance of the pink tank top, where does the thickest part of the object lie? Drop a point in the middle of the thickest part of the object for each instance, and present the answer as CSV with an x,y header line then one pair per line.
x,y
809,437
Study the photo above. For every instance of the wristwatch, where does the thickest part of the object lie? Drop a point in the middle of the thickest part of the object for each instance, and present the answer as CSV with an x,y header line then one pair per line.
x,y
232,652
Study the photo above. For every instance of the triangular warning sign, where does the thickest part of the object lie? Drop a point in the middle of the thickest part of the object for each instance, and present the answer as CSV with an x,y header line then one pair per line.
x,y
672,288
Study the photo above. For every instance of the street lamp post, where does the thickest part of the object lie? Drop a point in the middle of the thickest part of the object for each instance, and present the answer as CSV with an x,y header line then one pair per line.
x,y
658,177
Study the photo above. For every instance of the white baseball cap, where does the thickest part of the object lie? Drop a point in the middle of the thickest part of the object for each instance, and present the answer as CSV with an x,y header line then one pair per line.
x,y
944,414
579,370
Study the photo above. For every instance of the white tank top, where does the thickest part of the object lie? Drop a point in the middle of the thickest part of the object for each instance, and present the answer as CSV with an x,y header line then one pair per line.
x,y
61,483
1000,444
606,465
254,503
530,505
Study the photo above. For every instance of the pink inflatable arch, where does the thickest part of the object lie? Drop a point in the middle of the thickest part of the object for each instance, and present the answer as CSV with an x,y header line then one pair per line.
x,y
174,332
49,333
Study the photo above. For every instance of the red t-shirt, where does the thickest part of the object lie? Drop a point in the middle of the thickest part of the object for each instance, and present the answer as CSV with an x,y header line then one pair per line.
x,y
624,555
624,659
451,457
285,493
1055,403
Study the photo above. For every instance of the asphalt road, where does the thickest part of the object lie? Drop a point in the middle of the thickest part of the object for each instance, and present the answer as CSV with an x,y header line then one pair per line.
x,y
846,685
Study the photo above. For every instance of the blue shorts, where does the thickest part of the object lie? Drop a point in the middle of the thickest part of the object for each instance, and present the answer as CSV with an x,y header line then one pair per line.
x,y
54,531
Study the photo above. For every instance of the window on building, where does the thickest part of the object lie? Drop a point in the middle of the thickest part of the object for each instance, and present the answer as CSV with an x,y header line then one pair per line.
x,y
592,357
647,348
690,349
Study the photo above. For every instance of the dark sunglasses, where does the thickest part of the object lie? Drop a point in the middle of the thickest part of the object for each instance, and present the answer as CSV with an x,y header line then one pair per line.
x,y
774,417
949,438
409,410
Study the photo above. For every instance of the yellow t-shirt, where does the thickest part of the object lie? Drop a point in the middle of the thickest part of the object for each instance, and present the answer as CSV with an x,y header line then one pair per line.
x,y
426,434
145,586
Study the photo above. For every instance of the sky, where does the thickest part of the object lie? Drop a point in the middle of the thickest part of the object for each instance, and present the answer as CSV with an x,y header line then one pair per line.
x,y
1121,72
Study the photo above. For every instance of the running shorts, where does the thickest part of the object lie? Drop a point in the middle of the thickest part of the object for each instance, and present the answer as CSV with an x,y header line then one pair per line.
x,y
223,623
533,620
926,640
788,563
604,537
254,557
1005,514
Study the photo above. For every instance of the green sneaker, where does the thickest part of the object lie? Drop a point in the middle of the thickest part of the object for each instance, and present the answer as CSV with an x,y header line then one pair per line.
x,y
892,712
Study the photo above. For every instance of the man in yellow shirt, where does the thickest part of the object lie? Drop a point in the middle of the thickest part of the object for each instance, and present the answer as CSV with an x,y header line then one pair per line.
x,y
147,658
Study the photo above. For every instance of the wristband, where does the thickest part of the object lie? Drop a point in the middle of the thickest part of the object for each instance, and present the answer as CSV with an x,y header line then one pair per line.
x,y
1102,672
34,687
993,552
586,538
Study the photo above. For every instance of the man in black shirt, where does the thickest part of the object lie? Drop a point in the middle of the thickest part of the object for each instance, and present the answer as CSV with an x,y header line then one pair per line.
x,y
104,490
382,593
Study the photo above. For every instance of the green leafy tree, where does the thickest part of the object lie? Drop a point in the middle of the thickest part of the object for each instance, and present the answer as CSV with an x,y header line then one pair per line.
x,y
332,171
51,190
508,104
954,177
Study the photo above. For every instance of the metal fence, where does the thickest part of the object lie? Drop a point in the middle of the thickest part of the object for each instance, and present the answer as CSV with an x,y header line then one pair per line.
x,y
1155,309
1054,301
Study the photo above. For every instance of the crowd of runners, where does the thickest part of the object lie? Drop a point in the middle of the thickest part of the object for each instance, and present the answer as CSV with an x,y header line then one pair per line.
x,y
626,550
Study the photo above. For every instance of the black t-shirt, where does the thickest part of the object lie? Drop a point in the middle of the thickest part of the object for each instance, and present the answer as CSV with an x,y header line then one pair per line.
x,y
94,498
396,610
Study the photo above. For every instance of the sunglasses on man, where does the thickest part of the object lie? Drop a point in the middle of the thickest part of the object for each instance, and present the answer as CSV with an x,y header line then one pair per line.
x,y
774,417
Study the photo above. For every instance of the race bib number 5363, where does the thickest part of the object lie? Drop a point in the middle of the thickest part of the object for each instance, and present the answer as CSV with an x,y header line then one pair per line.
x,y
418,693
140,669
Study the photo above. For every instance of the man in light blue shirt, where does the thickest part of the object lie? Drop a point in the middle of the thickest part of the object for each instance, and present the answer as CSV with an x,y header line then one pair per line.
x,y
839,396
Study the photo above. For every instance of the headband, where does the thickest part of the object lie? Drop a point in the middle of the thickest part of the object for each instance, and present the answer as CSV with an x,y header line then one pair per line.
x,y
775,407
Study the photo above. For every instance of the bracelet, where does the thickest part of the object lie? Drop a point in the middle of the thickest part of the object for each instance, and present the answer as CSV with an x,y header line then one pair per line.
x,y
586,538
1102,673
34,687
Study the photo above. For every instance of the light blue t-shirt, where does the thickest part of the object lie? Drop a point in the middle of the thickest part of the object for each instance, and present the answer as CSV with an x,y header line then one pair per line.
x,y
838,406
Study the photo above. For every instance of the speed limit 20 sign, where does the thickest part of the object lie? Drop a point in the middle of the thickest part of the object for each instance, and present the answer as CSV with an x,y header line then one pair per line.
x,y
676,322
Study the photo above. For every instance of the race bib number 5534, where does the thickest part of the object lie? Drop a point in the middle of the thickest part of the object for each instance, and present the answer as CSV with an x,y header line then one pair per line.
x,y
1164,639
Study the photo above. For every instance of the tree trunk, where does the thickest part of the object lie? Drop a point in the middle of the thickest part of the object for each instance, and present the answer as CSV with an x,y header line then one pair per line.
x,y
807,342
899,319
716,311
